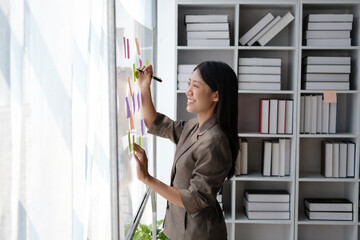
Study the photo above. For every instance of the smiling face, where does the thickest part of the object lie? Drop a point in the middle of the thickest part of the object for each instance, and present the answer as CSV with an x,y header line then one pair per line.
x,y
200,99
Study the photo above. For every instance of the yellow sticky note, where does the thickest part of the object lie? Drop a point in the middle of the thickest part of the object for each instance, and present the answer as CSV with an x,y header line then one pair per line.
x,y
147,62
140,141
134,72
330,96
133,143
129,142
137,46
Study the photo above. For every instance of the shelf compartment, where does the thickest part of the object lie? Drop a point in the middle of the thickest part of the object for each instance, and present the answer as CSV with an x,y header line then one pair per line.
x,y
288,73
257,176
251,231
252,13
326,232
335,8
310,159
202,9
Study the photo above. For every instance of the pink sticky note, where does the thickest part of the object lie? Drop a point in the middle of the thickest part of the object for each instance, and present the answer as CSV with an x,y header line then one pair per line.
x,y
142,127
133,101
140,62
128,49
330,96
124,46
127,108
138,99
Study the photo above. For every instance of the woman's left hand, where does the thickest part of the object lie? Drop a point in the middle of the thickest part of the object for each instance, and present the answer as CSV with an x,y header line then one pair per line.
x,y
142,163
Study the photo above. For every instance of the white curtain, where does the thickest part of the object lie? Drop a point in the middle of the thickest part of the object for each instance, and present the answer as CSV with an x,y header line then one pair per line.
x,y
54,120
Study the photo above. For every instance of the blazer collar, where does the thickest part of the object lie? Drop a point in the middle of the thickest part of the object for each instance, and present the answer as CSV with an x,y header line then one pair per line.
x,y
209,123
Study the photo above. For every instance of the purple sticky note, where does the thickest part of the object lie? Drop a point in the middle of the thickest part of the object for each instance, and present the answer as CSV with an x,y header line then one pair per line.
x,y
133,101
127,108
124,46
142,127
138,99
128,49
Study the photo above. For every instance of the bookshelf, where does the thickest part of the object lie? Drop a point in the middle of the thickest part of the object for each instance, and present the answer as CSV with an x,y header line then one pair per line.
x,y
305,179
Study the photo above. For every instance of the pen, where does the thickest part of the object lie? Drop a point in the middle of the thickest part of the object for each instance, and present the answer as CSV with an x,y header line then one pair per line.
x,y
154,77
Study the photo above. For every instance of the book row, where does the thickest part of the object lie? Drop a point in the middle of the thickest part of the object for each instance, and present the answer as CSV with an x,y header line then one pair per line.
x,y
276,157
265,29
316,115
328,30
326,72
276,116
337,209
338,159
259,73
267,204
207,30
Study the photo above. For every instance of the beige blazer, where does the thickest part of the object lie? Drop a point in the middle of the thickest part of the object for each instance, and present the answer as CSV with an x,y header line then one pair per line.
x,y
202,162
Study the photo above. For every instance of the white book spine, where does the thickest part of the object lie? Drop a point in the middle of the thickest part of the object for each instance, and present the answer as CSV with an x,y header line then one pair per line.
x,y
287,156
244,157
330,17
282,153
289,112
302,113
256,28
307,125
205,18
264,115
263,31
327,77
342,159
273,116
275,159
334,42
328,68
257,70
350,172
208,35
329,26
332,117
281,116
259,85
327,60
267,158
207,27
325,117
319,103
336,160
186,68
259,78
327,161
327,34
260,62
184,77
182,86
327,85
313,114
208,42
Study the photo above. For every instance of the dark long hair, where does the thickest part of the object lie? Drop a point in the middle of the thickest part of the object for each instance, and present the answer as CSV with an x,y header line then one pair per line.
x,y
220,77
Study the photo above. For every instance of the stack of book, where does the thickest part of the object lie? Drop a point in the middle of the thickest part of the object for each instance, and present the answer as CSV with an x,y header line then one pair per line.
x,y
265,29
328,30
184,74
338,209
241,164
267,204
207,30
276,116
317,116
276,157
259,73
325,73
338,159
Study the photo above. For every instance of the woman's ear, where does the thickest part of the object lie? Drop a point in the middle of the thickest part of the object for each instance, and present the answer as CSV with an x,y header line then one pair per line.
x,y
216,96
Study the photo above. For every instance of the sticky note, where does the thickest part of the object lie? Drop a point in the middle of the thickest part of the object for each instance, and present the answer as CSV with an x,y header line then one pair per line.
x,y
133,102
128,49
133,143
140,141
147,62
129,86
131,122
140,62
137,46
330,96
142,127
129,148
134,72
138,100
124,46
128,113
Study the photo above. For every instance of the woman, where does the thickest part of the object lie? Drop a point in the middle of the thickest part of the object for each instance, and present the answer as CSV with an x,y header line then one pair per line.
x,y
205,155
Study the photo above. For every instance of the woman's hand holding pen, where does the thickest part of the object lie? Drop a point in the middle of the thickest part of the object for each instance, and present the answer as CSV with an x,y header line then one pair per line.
x,y
142,164
144,79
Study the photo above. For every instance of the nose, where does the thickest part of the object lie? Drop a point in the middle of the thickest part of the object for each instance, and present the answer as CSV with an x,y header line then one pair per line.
x,y
188,91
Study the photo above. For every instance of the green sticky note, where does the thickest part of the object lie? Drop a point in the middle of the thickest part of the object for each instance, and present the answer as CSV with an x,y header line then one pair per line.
x,y
129,142
140,141
133,143
134,72
147,62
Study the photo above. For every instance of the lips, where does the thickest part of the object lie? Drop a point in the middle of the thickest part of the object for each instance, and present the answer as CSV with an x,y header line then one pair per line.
x,y
190,101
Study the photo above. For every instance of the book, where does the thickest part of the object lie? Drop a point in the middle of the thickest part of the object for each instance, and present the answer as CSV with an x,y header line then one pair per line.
x,y
327,34
260,62
266,206
207,27
275,159
272,32
182,85
208,35
327,68
326,159
264,115
259,78
273,116
274,215
328,204
289,116
256,28
339,216
307,117
326,77
266,166
313,114
331,42
266,195
350,171
281,116
263,31
336,159
319,103
208,42
287,156
325,117
342,159
259,69
327,60
327,85
332,117
259,86
302,113
184,77
329,26
329,17
186,68
282,152
205,18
